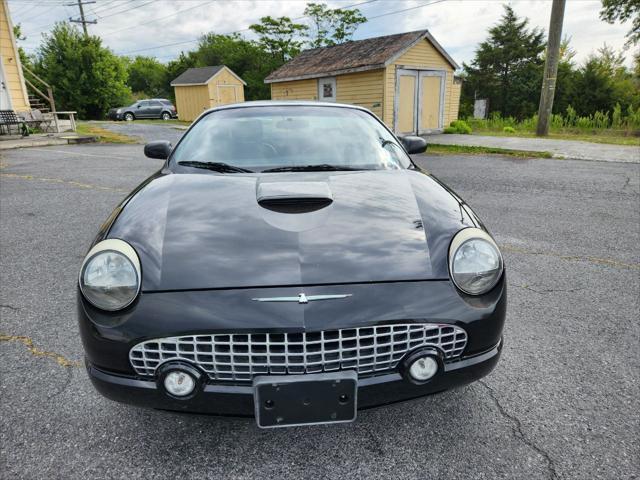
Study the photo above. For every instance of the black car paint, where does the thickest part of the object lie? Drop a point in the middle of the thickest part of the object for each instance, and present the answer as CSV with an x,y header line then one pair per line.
x,y
383,225
207,248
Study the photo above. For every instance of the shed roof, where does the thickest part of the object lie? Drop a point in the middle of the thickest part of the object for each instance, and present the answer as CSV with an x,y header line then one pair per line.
x,y
355,56
202,75
196,76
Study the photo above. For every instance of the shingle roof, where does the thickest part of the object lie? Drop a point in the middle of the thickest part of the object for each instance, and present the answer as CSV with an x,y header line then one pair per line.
x,y
196,76
358,55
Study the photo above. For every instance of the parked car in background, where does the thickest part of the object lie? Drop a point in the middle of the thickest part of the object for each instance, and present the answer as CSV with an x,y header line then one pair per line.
x,y
150,108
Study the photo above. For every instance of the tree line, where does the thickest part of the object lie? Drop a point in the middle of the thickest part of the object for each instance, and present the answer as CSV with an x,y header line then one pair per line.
x,y
88,77
506,69
508,66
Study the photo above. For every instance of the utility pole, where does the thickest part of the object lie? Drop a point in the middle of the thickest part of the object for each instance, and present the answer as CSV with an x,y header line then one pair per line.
x,y
81,20
550,67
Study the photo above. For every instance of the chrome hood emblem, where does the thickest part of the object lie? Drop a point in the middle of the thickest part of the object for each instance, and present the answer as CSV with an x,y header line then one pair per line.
x,y
302,298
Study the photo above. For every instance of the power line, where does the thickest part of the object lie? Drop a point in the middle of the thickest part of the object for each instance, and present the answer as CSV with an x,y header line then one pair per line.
x,y
99,8
46,25
184,42
25,10
126,10
43,11
405,9
157,19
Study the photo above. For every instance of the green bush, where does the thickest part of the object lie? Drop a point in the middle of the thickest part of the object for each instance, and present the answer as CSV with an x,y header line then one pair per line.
x,y
450,130
459,126
625,121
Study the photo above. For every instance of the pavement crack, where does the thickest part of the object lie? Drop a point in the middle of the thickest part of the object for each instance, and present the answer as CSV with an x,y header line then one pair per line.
x,y
10,307
28,342
547,290
575,258
71,183
519,433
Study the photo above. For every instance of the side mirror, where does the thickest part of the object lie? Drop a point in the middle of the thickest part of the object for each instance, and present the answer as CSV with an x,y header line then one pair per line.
x,y
160,149
414,144
139,106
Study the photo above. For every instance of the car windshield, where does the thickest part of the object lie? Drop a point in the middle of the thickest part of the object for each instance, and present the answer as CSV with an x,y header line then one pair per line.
x,y
290,138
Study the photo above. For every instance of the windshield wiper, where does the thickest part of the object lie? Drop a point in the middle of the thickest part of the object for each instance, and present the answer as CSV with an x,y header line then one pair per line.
x,y
215,166
323,167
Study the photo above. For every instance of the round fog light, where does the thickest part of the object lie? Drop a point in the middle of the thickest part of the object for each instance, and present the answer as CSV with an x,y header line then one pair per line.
x,y
179,383
423,368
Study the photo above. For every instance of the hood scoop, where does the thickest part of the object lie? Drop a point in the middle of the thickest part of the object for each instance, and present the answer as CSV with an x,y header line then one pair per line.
x,y
294,197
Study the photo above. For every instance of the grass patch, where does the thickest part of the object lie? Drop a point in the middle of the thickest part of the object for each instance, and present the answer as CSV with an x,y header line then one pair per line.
x,y
453,149
612,138
104,135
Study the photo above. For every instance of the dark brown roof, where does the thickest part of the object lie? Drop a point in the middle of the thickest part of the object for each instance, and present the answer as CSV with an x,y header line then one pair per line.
x,y
358,55
196,76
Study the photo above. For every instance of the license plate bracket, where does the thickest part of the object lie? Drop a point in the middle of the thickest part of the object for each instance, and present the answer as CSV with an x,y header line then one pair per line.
x,y
311,399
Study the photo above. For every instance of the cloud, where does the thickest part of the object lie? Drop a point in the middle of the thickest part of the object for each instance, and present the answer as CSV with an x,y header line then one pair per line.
x,y
140,27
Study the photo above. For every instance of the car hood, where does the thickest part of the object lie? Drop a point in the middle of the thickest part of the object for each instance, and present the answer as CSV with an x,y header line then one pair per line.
x,y
209,231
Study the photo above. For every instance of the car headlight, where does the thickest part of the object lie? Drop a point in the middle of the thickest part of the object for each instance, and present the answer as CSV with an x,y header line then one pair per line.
x,y
119,110
110,275
475,261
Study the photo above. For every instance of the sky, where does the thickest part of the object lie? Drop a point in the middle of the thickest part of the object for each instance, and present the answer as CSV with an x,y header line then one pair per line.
x,y
164,28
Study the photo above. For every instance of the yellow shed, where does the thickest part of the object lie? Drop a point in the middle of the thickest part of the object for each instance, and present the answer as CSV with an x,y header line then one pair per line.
x,y
406,79
198,89
13,91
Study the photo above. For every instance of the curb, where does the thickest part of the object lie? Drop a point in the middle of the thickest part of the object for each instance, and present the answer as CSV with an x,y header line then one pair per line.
x,y
46,142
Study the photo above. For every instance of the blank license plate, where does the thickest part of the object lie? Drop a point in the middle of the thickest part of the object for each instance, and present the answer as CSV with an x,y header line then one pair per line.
x,y
290,400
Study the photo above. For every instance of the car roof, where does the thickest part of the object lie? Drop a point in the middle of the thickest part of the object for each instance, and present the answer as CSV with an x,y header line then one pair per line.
x,y
285,103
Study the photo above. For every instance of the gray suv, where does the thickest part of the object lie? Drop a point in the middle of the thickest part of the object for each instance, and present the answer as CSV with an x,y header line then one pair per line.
x,y
149,108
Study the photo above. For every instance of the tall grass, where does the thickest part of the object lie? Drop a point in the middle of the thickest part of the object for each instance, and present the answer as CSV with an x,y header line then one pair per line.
x,y
623,122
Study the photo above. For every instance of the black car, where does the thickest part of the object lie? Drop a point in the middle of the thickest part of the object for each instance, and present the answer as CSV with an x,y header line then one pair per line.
x,y
151,108
289,261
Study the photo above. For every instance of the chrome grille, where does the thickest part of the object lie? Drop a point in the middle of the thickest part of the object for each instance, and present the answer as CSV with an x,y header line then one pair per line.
x,y
240,357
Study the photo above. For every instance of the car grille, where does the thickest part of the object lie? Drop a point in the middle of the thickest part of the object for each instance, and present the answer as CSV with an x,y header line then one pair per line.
x,y
239,357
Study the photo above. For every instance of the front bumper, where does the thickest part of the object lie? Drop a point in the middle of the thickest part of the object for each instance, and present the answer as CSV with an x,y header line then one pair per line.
x,y
237,400
109,337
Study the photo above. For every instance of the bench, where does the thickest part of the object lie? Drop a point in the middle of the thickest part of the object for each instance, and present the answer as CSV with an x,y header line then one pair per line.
x,y
8,118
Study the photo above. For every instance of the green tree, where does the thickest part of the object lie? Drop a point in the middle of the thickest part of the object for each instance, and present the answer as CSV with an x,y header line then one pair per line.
x,y
246,58
19,36
623,10
85,76
592,89
507,67
280,36
602,82
178,66
147,76
331,26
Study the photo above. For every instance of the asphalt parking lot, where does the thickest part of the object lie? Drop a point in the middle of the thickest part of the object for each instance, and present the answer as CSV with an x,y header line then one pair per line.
x,y
562,403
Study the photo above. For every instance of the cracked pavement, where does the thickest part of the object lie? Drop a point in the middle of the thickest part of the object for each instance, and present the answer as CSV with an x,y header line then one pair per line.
x,y
562,403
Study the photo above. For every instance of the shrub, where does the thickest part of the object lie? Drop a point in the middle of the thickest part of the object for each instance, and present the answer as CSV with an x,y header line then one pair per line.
x,y
626,120
460,126
450,130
